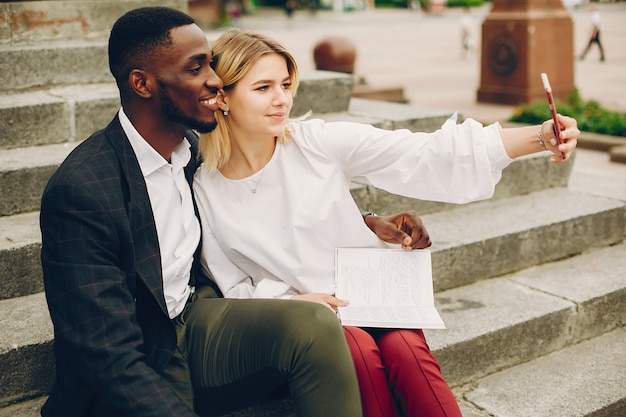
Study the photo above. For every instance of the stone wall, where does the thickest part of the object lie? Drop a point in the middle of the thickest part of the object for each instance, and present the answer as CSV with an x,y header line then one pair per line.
x,y
37,21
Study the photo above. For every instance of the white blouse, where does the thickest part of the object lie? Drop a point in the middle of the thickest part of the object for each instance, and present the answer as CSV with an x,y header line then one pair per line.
x,y
280,241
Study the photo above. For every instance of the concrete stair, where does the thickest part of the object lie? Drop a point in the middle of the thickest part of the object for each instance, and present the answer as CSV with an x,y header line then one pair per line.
x,y
531,284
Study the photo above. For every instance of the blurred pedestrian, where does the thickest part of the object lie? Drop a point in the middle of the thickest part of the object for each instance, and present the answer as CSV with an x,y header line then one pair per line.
x,y
290,7
233,9
594,37
468,43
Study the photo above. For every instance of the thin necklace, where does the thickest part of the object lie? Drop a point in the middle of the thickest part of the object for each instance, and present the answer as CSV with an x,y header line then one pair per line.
x,y
253,189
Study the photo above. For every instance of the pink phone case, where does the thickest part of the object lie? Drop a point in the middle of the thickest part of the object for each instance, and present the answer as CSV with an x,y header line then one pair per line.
x,y
557,126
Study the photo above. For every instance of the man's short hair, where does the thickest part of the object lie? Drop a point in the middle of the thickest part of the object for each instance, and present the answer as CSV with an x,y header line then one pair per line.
x,y
136,36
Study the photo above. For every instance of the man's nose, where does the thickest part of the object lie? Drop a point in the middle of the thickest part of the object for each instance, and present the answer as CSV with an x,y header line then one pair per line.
x,y
213,81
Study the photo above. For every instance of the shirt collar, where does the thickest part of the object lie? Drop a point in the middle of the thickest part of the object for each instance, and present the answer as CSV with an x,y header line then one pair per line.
x,y
149,159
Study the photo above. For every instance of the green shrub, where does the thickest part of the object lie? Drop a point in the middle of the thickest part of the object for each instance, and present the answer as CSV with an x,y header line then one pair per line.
x,y
464,3
425,3
590,115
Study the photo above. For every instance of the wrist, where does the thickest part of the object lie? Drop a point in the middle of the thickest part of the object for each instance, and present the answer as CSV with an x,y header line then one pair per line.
x,y
368,218
368,213
542,143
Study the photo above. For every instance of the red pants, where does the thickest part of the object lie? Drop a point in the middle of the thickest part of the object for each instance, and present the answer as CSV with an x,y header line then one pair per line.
x,y
398,375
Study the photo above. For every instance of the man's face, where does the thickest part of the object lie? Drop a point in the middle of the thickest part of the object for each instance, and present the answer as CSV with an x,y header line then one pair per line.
x,y
187,83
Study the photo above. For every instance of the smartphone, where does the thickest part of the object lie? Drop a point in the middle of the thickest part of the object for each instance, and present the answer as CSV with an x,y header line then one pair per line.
x,y
557,127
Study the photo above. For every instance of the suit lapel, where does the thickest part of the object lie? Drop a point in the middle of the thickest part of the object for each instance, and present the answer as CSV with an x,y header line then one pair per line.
x,y
140,215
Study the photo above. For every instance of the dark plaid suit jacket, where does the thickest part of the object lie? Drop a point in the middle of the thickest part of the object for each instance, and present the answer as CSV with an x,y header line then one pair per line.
x,y
102,274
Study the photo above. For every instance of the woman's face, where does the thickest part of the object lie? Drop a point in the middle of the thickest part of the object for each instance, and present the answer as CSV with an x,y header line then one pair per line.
x,y
260,103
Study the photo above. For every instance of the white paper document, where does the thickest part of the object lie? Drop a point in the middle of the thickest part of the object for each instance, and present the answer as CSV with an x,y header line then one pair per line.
x,y
386,288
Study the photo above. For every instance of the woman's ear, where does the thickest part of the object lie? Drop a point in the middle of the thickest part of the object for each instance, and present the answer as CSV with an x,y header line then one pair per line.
x,y
221,100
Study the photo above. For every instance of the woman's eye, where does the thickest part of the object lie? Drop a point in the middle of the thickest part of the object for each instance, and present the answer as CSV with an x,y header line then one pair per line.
x,y
286,86
262,88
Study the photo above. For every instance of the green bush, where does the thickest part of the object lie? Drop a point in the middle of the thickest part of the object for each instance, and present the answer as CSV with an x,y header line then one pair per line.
x,y
425,3
391,3
464,3
590,115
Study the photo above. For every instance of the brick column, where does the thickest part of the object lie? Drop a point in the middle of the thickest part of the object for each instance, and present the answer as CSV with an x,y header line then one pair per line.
x,y
520,40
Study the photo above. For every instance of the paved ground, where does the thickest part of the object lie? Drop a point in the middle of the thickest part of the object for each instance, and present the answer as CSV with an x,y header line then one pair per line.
x,y
422,54
398,47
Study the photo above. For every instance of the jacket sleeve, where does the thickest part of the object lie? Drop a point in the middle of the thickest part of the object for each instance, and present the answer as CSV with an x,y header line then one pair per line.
x,y
87,257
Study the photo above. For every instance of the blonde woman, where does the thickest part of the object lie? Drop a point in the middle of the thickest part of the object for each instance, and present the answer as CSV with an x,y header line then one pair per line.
x,y
285,204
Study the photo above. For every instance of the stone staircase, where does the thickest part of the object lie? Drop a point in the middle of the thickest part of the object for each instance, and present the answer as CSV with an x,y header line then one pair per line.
x,y
531,284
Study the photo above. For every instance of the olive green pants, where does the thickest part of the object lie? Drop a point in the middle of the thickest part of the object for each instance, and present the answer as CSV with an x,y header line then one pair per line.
x,y
232,353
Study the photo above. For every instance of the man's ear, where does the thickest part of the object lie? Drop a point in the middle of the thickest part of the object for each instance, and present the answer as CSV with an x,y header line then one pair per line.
x,y
141,83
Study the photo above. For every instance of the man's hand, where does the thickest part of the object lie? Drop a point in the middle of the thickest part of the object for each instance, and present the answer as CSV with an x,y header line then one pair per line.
x,y
405,228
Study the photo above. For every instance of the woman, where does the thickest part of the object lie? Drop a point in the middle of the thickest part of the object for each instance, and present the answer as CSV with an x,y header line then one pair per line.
x,y
286,204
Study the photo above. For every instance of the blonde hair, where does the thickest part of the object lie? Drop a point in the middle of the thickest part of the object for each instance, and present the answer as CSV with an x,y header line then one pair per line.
x,y
234,53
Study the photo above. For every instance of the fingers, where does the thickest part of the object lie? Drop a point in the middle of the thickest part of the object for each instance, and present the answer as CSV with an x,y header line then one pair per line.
x,y
416,235
421,241
569,129
405,228
569,137
326,300
420,237
334,303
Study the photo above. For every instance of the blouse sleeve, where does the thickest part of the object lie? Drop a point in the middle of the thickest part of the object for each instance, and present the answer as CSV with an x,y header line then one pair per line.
x,y
458,163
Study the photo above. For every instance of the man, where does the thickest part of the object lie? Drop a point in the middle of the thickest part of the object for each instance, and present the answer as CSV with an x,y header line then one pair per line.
x,y
119,236
594,33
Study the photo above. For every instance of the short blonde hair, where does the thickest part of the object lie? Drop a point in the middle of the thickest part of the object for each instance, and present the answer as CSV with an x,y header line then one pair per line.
x,y
234,53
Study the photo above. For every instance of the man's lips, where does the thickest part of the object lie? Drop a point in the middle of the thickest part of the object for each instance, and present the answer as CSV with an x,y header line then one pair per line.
x,y
210,102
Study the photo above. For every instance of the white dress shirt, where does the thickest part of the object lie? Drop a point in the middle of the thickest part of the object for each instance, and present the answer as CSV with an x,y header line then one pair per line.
x,y
176,223
280,241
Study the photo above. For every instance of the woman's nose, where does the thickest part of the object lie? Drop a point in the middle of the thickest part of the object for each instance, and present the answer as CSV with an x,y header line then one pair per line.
x,y
282,96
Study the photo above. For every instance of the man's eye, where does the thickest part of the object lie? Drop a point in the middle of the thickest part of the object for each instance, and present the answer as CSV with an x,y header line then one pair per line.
x,y
195,70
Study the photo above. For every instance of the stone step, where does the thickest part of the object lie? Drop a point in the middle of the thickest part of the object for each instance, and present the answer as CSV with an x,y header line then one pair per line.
x,y
502,322
26,356
56,43
26,67
68,113
496,237
43,21
24,173
29,408
504,235
323,92
389,115
587,379
20,246
610,186
56,115
41,128
491,325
